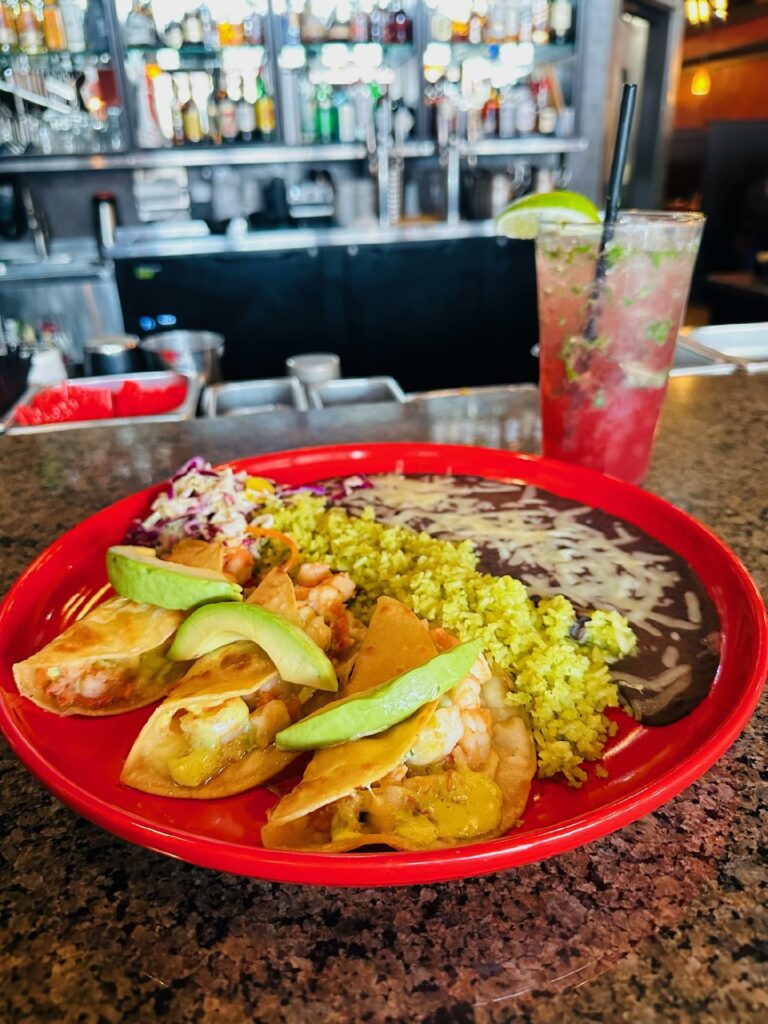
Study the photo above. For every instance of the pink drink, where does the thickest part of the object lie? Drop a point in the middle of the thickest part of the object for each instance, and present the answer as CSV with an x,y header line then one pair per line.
x,y
604,364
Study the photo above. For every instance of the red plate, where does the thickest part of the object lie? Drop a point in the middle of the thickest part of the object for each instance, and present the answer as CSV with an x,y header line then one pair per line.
x,y
79,759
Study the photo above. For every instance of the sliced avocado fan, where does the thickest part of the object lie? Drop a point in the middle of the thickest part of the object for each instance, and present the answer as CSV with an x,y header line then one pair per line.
x,y
137,573
297,658
376,710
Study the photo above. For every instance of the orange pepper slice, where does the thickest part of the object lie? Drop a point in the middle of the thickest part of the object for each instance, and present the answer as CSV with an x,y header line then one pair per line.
x,y
263,531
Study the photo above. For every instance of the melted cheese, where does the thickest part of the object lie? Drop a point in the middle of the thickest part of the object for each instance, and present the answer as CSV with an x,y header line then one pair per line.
x,y
578,560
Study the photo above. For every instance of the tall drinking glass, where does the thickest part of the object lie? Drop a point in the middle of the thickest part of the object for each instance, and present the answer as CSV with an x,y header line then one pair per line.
x,y
606,345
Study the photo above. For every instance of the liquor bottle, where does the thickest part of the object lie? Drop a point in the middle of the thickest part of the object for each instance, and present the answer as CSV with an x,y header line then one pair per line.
x,y
312,28
53,26
191,121
346,116
460,23
561,20
148,132
476,26
307,111
140,29
491,115
245,116
507,114
213,123
378,23
359,25
512,21
525,110
210,29
9,40
290,24
74,27
399,28
494,27
227,112
338,30
326,115
540,22
253,26
173,36
231,33
265,111
177,119
95,24
28,29
441,27
525,23
192,28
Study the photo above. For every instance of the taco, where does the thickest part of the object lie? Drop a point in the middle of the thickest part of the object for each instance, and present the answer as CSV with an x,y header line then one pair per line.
x,y
214,735
110,661
456,771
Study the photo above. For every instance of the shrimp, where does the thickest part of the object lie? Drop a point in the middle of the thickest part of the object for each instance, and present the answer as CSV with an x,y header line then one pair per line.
x,y
475,742
320,595
239,563
437,740
345,585
268,720
312,573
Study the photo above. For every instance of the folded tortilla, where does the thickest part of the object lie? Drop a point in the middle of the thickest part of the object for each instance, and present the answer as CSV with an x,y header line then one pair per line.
x,y
338,805
110,661
201,743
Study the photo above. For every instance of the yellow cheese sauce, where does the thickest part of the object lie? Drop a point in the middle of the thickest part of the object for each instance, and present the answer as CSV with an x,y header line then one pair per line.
x,y
452,806
200,765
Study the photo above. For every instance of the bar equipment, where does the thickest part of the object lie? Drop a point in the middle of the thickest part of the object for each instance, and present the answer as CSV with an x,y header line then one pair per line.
x,y
105,219
314,367
198,352
242,397
349,390
162,379
117,353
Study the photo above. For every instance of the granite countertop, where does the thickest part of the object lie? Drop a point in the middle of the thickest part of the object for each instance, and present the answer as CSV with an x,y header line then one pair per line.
x,y
664,920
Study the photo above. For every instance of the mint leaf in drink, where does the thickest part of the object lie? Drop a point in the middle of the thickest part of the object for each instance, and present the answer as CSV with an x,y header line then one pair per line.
x,y
658,331
613,255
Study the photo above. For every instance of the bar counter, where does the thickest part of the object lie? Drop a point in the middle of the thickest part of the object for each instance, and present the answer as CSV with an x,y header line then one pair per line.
x,y
664,920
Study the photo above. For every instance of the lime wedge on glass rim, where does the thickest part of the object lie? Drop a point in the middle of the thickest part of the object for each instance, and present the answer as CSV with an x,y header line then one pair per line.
x,y
521,218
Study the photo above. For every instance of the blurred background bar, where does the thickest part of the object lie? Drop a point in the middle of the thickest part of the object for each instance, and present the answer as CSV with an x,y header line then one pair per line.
x,y
323,175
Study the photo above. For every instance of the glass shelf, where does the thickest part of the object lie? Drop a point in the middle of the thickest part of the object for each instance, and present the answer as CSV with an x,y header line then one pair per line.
x,y
197,58
54,58
528,54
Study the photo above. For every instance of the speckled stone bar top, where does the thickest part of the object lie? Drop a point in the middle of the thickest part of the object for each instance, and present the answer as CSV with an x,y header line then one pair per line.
x,y
664,920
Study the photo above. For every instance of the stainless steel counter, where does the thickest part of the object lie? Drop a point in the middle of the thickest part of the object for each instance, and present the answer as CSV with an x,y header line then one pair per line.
x,y
141,244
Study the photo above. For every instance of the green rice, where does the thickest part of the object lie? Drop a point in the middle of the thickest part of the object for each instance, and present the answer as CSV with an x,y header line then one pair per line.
x,y
562,683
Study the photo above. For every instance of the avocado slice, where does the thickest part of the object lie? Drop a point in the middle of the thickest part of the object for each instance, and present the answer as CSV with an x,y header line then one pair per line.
x,y
376,710
297,658
137,573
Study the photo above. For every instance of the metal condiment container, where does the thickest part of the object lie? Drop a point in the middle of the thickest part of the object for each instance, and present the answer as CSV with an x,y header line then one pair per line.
x,y
115,353
314,367
198,352
247,396
351,390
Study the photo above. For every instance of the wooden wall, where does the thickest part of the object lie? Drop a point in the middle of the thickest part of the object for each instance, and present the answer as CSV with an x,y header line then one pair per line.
x,y
739,81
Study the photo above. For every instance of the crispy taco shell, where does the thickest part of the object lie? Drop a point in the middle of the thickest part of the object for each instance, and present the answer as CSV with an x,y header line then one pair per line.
x,y
110,661
239,669
397,641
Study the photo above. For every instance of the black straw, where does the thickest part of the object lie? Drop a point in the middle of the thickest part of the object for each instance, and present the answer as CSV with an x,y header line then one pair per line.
x,y
613,198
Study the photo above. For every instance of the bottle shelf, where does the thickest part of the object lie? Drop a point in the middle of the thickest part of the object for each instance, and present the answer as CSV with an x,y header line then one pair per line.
x,y
286,70
532,53
261,153
54,58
